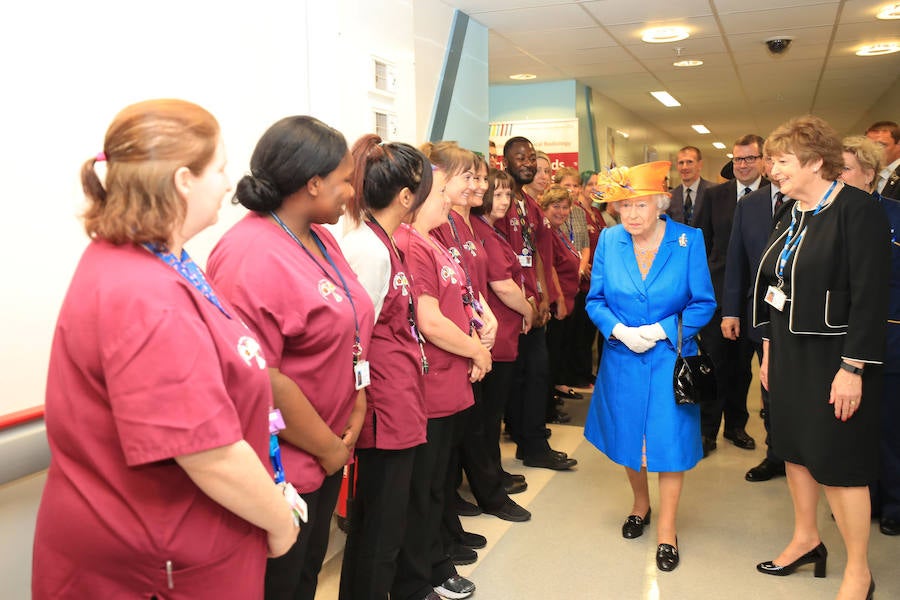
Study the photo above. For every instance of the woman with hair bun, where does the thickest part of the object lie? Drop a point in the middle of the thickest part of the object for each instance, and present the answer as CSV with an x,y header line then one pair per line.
x,y
157,394
391,182
290,283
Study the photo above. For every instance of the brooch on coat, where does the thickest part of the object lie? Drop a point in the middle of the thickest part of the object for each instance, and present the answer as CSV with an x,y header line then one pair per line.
x,y
682,240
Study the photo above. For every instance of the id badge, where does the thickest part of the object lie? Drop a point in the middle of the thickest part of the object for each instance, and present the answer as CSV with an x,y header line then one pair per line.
x,y
297,504
525,260
775,298
361,374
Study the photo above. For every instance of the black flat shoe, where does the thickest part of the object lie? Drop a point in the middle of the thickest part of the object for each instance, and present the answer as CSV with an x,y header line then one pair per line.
x,y
889,526
569,393
871,592
739,438
634,526
765,471
818,555
667,557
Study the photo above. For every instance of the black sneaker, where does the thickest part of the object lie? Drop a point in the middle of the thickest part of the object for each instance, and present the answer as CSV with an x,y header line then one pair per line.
x,y
456,588
461,555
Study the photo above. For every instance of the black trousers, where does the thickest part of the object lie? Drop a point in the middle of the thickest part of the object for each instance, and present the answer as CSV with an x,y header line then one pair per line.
x,y
377,523
496,387
295,575
422,545
476,457
526,411
583,334
732,360
886,492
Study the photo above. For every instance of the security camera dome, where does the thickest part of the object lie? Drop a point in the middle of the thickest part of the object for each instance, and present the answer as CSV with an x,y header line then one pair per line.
x,y
779,44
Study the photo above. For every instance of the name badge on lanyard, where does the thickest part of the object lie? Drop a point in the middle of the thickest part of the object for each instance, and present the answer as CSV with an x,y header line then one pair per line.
x,y
775,298
525,259
361,374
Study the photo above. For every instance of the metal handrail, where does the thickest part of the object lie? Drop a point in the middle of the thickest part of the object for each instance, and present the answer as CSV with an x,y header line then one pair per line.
x,y
10,420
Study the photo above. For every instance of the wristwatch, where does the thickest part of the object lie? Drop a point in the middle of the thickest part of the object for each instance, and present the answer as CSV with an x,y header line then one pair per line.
x,y
850,368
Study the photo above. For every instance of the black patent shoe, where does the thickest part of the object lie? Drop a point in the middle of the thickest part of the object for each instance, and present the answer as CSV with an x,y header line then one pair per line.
x,y
871,592
818,555
634,526
667,558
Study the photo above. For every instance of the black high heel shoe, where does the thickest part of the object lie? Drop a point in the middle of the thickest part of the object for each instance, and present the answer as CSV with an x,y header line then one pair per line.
x,y
818,555
634,526
871,592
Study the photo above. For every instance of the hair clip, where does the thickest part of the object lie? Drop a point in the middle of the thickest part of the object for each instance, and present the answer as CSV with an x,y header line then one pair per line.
x,y
101,157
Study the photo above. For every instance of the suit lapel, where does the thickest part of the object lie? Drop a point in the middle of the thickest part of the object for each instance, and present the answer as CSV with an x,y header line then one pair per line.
x,y
626,255
662,255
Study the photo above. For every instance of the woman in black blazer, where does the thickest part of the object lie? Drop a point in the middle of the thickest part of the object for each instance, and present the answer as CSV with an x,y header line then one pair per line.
x,y
822,292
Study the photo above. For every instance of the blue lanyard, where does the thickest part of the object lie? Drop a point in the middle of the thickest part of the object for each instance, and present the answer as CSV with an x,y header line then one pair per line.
x,y
566,243
357,345
790,243
188,269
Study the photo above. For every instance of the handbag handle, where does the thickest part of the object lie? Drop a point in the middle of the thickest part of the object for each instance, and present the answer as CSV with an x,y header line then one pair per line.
x,y
678,348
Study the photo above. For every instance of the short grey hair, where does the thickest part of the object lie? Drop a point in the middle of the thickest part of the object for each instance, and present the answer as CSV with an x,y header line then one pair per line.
x,y
662,202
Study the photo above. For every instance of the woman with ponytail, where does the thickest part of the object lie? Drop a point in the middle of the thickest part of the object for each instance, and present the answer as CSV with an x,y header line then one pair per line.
x,y
291,285
391,181
157,394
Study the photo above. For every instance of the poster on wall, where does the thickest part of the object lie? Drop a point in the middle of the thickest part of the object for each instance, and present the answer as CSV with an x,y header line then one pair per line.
x,y
558,138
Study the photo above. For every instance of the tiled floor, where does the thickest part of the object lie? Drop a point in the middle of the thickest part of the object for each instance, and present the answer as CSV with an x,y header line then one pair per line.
x,y
573,546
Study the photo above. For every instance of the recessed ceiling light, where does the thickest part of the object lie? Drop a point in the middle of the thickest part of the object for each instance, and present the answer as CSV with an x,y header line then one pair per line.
x,y
666,98
687,63
719,145
891,11
700,128
878,49
661,35
523,76
624,134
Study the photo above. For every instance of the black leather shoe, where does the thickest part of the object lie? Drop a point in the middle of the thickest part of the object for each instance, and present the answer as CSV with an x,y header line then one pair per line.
x,y
739,438
871,593
569,393
709,444
512,477
762,413
514,487
471,540
818,555
667,557
547,433
462,555
559,417
634,526
889,526
765,471
550,460
465,508
510,511
520,454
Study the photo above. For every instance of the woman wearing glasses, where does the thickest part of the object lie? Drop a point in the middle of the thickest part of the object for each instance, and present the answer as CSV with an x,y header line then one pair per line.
x,y
649,274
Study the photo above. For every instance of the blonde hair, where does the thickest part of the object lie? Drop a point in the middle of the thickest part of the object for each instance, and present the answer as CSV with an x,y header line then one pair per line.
x,y
553,194
449,156
867,153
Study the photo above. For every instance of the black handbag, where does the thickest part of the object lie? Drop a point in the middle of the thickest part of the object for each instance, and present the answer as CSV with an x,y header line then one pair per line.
x,y
694,380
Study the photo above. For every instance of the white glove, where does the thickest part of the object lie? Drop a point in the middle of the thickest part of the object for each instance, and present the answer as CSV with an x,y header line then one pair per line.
x,y
631,337
652,333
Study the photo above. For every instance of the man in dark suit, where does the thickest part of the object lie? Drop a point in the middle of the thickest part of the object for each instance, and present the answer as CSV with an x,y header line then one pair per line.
x,y
887,134
688,197
732,371
753,218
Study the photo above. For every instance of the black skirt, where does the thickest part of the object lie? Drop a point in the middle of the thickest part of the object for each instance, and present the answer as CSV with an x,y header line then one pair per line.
x,y
804,429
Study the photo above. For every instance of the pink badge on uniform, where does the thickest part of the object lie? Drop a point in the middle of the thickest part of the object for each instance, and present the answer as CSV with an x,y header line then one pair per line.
x,y
514,223
326,288
400,281
470,246
454,252
249,350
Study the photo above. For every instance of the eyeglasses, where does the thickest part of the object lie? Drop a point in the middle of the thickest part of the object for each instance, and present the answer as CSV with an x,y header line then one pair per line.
x,y
746,159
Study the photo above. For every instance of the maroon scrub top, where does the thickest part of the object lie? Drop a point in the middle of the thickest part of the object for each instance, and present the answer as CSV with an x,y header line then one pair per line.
x,y
143,368
539,229
298,308
468,251
433,272
566,261
502,265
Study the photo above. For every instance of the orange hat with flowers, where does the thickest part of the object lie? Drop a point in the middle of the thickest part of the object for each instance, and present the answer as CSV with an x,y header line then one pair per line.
x,y
625,183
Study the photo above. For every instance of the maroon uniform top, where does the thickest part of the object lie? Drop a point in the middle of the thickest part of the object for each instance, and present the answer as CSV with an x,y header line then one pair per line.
x,y
433,272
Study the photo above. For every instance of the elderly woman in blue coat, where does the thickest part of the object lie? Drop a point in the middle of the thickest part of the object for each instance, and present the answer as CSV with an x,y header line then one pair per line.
x,y
647,271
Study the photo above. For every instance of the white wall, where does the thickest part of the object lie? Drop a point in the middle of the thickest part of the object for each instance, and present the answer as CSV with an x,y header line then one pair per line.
x,y
69,67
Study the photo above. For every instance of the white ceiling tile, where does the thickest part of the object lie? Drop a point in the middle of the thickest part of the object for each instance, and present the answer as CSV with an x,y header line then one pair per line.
x,y
646,11
559,39
736,6
767,21
534,19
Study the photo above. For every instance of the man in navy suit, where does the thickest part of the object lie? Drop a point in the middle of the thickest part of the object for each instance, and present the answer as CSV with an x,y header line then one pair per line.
x,y
688,197
753,218
887,134
733,372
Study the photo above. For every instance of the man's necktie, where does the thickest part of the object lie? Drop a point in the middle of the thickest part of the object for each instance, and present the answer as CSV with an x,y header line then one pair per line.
x,y
688,206
746,191
779,200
